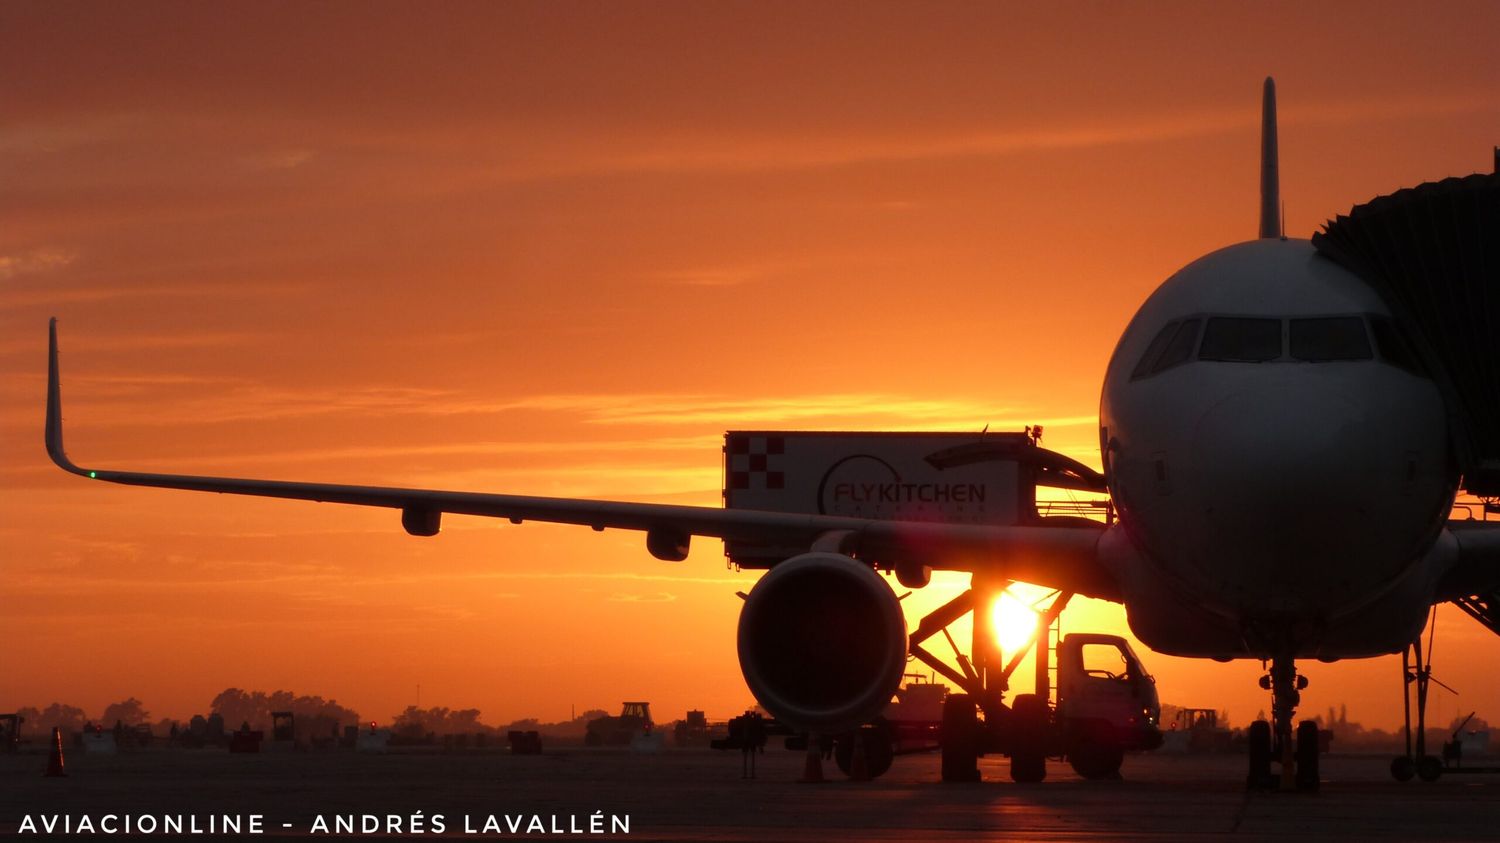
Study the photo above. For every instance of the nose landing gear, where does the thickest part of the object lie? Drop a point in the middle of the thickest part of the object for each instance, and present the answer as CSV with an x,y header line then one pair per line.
x,y
1274,741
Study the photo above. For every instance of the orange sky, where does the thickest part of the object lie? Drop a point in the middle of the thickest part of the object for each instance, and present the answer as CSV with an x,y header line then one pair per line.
x,y
559,249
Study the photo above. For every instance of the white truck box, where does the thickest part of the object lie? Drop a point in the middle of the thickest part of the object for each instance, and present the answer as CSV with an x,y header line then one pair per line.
x,y
959,478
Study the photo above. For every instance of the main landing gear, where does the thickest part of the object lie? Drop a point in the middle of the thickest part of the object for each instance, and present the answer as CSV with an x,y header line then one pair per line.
x,y
1417,670
1274,741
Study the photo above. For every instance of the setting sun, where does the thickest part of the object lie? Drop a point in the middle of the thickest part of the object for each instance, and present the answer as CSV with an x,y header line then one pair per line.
x,y
1014,623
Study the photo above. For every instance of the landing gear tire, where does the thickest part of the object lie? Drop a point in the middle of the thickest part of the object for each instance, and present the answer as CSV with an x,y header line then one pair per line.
x,y
1403,768
879,752
1029,727
960,739
1260,757
1095,752
1429,768
1307,757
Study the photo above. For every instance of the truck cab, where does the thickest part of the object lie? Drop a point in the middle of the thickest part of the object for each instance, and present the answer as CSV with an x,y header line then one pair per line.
x,y
1105,693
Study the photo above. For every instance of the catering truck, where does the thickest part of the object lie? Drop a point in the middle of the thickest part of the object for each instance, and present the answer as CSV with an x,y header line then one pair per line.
x,y
1102,703
954,478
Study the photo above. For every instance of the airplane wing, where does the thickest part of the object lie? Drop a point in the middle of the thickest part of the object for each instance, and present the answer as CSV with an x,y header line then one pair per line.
x,y
1055,557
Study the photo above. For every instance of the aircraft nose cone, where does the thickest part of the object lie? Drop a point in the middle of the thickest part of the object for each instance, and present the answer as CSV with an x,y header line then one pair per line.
x,y
1309,451
1284,477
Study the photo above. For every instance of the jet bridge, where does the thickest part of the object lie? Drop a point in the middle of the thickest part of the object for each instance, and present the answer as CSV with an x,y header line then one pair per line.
x,y
1432,252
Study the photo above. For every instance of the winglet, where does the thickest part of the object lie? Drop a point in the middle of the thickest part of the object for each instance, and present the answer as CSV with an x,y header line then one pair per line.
x,y
54,408
1270,177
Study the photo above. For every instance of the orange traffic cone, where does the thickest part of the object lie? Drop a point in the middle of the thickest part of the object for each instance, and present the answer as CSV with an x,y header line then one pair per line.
x,y
859,763
812,768
55,762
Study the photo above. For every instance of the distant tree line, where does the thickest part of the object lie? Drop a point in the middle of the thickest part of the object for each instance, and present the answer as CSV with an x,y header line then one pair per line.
x,y
230,709
315,716
1350,736
418,723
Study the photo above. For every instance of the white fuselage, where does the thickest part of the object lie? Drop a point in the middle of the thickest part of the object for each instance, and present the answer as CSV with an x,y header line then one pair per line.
x,y
1280,476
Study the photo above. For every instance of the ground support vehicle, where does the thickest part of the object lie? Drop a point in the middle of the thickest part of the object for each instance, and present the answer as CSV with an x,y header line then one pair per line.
x,y
1105,705
634,720
1099,710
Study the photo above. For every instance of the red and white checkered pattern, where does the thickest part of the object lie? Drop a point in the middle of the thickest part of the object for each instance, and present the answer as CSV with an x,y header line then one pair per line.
x,y
755,462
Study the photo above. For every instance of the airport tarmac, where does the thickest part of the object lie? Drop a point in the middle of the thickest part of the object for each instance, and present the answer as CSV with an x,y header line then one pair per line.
x,y
699,795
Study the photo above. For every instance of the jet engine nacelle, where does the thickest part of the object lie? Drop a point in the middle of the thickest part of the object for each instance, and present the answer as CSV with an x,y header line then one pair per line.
x,y
822,642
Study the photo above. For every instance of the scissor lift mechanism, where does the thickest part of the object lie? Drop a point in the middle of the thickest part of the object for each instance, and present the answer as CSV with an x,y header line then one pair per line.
x,y
986,676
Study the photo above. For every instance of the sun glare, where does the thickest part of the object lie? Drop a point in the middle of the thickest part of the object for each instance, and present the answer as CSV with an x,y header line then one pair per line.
x,y
1014,622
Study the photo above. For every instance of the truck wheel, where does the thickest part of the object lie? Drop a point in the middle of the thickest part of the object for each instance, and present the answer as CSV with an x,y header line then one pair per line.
x,y
960,739
1260,756
1429,768
1095,751
1403,768
879,750
1029,726
1307,756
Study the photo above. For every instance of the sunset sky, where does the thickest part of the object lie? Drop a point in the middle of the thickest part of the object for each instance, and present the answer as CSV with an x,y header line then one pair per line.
x,y
559,249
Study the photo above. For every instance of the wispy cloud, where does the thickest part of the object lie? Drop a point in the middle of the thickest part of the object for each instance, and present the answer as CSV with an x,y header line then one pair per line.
x,y
256,401
701,153
603,576
481,448
739,273
65,577
17,299
278,159
596,480
45,259
727,410
707,277
127,402
95,342
653,597
38,137
721,276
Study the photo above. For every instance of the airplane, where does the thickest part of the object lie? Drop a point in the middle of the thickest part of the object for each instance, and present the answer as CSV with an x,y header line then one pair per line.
x,y
1282,456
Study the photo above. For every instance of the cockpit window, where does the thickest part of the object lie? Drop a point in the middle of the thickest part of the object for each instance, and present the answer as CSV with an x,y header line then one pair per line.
x,y
1239,339
1154,350
1330,338
1173,346
1180,349
1393,345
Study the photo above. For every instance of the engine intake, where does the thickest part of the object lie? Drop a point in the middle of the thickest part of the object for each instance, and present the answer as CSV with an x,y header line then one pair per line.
x,y
822,642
